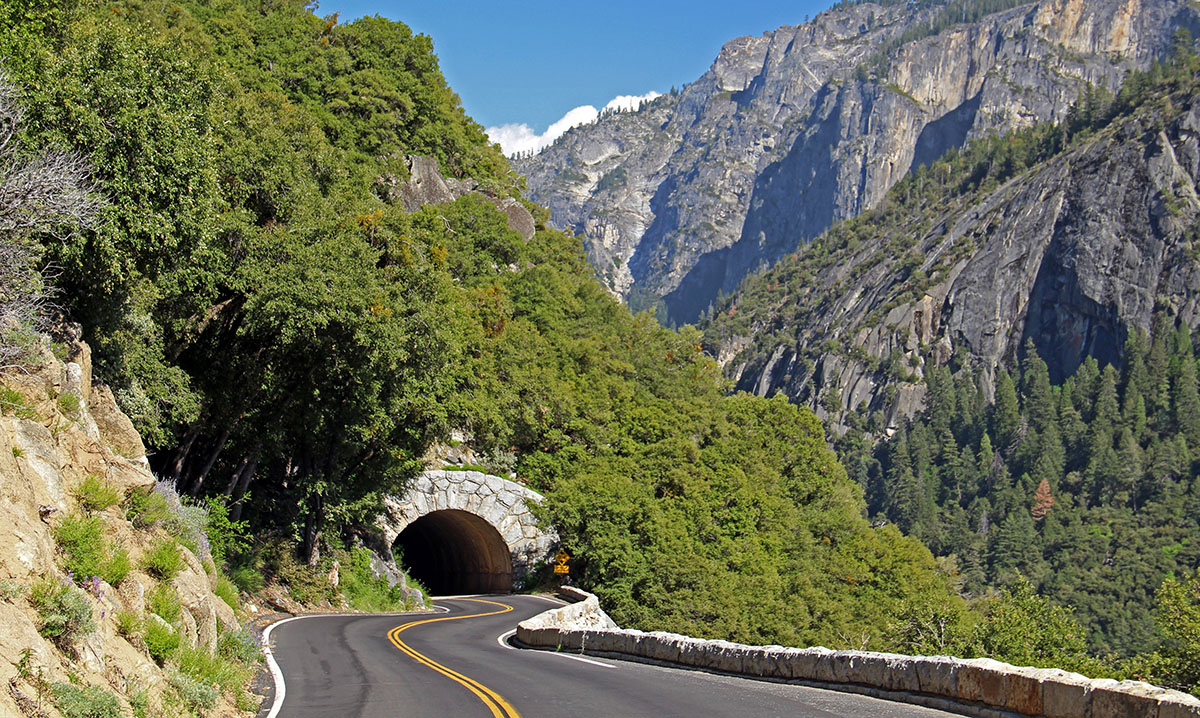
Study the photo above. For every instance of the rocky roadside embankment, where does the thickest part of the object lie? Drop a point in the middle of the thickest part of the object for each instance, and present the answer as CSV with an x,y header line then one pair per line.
x,y
72,639
977,686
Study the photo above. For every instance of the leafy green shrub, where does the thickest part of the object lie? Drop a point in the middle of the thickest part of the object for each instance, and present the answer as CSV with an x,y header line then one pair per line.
x,y
364,591
195,694
163,600
246,578
13,402
164,559
212,669
129,623
96,494
225,538
161,640
1025,629
307,585
81,540
69,403
226,591
87,702
145,509
1179,618
64,611
241,645
116,567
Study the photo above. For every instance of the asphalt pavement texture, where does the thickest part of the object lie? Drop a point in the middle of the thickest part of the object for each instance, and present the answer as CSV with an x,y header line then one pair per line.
x,y
342,666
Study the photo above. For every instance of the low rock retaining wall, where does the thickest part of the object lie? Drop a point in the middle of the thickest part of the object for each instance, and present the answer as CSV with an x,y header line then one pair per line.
x,y
977,686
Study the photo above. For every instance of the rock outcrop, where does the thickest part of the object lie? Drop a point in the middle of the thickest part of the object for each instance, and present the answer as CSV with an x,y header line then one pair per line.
x,y
58,429
1072,255
791,131
426,185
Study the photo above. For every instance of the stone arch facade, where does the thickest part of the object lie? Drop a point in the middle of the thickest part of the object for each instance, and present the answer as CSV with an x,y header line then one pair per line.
x,y
502,504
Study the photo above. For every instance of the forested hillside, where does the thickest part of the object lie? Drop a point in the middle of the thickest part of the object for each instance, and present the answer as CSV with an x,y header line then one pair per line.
x,y
289,339
1076,474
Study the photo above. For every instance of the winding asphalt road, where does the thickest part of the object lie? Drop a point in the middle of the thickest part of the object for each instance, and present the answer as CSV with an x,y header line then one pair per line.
x,y
452,664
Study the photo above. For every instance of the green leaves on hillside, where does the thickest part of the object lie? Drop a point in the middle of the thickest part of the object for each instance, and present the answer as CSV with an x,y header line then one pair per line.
x,y
1091,493
283,332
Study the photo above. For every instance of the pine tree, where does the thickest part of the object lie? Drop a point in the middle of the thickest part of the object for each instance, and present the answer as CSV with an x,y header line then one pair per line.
x,y
1185,398
1043,501
1006,414
1039,399
1158,398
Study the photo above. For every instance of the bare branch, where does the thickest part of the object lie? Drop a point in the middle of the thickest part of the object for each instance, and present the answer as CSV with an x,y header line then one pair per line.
x,y
47,193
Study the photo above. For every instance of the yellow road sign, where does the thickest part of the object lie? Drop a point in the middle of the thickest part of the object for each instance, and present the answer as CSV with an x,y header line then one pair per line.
x,y
561,568
561,558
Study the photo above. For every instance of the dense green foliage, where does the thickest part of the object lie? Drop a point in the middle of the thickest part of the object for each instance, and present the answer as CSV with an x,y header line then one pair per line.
x,y
1089,489
284,333
1179,615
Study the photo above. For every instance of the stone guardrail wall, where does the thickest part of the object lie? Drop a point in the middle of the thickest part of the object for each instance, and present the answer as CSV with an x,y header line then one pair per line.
x,y
977,686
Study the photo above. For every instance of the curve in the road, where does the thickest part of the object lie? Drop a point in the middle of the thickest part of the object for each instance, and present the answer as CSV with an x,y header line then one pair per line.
x,y
499,707
346,666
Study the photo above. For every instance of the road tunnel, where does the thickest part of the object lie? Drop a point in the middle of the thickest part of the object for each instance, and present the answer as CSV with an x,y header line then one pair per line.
x,y
454,552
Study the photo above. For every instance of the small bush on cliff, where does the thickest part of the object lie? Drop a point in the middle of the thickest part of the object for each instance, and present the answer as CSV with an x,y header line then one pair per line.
x,y
241,645
164,559
96,494
116,567
87,702
64,611
161,640
212,669
226,591
365,591
195,695
163,601
81,541
129,623
145,509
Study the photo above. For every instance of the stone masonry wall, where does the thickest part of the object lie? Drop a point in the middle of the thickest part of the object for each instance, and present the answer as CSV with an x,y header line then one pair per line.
x,y
978,686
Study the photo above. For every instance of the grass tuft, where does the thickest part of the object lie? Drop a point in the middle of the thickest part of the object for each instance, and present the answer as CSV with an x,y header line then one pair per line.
x,y
164,559
96,494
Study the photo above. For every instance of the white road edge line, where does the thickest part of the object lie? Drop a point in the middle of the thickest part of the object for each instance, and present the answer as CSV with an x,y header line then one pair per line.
x,y
502,639
277,672
551,599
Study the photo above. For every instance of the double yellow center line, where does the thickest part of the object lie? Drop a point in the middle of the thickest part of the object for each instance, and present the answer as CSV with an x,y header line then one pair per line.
x,y
494,701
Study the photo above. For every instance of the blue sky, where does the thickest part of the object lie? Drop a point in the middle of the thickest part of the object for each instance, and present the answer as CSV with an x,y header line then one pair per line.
x,y
531,62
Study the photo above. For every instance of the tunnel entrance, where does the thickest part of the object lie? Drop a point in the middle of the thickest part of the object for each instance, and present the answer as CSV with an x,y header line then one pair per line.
x,y
453,552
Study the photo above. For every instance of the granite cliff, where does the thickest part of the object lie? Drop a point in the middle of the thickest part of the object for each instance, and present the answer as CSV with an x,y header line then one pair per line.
x,y
798,128
1072,254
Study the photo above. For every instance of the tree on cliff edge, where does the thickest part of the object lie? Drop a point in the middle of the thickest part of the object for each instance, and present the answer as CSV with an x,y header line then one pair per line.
x,y
43,192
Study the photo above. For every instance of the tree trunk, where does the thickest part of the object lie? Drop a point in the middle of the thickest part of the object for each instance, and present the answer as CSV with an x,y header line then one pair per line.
x,y
212,459
239,493
313,523
175,468
236,476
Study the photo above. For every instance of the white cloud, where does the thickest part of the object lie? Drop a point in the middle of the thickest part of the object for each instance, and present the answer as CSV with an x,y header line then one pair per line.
x,y
515,138
630,102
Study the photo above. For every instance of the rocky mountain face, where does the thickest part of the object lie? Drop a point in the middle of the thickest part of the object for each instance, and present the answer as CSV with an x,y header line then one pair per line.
x,y
58,429
798,128
1072,254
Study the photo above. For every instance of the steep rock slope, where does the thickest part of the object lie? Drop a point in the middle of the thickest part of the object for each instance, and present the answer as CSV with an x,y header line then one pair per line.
x,y
58,430
788,132
1071,254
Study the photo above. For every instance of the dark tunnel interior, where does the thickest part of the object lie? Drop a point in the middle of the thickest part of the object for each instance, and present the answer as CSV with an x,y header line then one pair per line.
x,y
454,552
